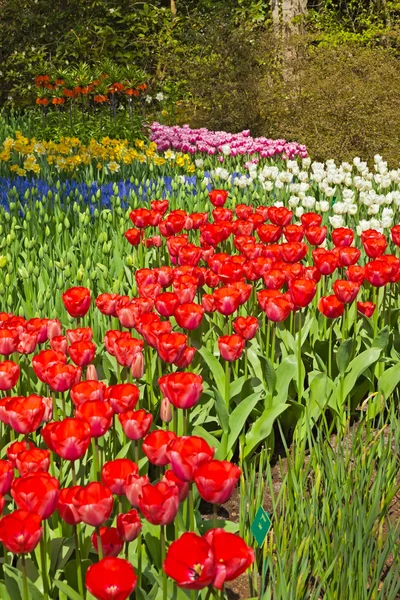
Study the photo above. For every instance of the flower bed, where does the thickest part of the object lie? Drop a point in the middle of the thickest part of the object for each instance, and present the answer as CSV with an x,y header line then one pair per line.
x,y
154,350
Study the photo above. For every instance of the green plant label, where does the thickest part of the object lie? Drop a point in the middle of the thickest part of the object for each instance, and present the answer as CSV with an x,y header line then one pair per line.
x,y
260,526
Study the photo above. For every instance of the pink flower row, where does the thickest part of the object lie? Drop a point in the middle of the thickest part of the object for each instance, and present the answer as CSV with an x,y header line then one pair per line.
x,y
185,139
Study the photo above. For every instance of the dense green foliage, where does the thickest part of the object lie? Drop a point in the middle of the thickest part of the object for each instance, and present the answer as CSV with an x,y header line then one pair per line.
x,y
225,65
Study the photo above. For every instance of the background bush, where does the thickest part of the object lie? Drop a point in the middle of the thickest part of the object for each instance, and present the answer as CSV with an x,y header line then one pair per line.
x,y
225,65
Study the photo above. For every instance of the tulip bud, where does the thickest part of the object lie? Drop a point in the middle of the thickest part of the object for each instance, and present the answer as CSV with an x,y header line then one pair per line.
x,y
91,373
137,367
3,262
165,411
80,274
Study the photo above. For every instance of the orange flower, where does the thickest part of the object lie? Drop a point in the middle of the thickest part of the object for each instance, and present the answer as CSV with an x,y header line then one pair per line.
x,y
116,87
58,101
132,92
42,79
68,93
100,98
42,101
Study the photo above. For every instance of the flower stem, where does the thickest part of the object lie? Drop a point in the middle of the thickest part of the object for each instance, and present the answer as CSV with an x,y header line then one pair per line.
x,y
78,561
43,560
95,460
99,544
24,578
215,515
191,508
163,554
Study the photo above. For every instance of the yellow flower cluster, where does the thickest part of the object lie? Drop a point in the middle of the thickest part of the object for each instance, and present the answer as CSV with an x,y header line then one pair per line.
x,y
24,155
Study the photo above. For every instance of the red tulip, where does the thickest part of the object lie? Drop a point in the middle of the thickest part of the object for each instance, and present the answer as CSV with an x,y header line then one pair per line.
x,y
86,391
278,309
152,330
155,446
222,214
133,236
134,486
247,327
231,554
37,327
395,233
274,279
311,220
183,487
54,328
302,291
294,233
160,206
106,303
189,316
25,414
366,308
66,507
141,217
245,290
59,344
8,342
62,377
33,461
129,525
159,503
316,235
342,237
231,347
280,215
136,424
186,454
9,375
115,473
378,273
110,338
79,334
331,307
185,287
82,353
111,579
208,303
94,504
167,303
111,543
293,252
137,366
46,359
125,350
171,346
374,243
36,492
183,390
186,358
69,438
356,274
218,197
20,531
345,291
325,261
27,341
6,476
98,414
348,256
269,234
190,562
12,452
227,300
216,480
77,301
122,397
